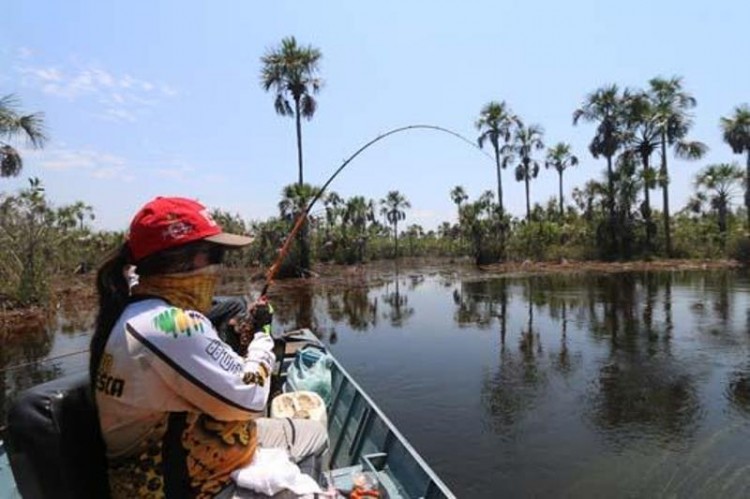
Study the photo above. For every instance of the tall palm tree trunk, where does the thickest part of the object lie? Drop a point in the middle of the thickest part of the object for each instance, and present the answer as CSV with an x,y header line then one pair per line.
x,y
664,174
298,120
303,235
528,202
560,175
647,201
499,182
395,237
501,213
610,188
747,187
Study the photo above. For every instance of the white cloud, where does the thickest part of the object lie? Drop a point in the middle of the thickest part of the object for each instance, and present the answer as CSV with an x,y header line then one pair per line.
x,y
112,173
48,74
24,52
123,97
175,173
73,84
103,78
168,90
119,114
89,162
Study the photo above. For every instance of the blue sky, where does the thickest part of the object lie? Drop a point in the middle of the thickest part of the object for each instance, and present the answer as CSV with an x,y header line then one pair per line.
x,y
163,98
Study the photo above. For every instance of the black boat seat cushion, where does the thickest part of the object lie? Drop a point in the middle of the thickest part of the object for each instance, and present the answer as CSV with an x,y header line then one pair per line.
x,y
54,442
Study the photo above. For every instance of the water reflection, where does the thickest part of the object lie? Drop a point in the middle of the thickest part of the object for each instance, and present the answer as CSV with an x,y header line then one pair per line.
x,y
640,384
539,376
636,386
19,366
738,390
521,377
358,306
353,307
398,310
481,302
637,399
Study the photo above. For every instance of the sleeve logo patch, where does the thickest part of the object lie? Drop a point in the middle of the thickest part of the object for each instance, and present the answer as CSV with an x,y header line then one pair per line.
x,y
176,321
222,355
105,382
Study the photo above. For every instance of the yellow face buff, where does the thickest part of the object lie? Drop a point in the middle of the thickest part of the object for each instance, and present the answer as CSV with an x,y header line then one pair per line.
x,y
188,290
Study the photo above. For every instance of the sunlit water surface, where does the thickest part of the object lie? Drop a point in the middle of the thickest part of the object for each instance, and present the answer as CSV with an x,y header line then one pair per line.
x,y
621,385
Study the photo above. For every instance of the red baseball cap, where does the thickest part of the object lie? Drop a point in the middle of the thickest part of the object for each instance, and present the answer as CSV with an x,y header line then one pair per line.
x,y
167,222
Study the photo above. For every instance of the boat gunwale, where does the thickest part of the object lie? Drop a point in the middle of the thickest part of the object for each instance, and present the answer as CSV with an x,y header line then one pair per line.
x,y
371,403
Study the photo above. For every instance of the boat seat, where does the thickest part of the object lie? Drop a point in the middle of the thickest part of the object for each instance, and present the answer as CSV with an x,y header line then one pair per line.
x,y
54,443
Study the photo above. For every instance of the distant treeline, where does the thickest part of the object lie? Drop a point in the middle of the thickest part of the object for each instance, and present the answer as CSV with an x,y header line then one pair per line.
x,y
40,241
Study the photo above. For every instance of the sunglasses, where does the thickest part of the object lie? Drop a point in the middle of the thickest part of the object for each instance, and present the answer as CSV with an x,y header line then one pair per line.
x,y
216,254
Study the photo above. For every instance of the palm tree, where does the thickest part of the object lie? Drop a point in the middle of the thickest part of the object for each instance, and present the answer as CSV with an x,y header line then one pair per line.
x,y
12,125
445,230
82,211
560,158
478,221
357,212
458,195
642,138
291,71
525,141
590,198
393,205
672,105
604,107
295,199
332,202
496,122
736,131
721,180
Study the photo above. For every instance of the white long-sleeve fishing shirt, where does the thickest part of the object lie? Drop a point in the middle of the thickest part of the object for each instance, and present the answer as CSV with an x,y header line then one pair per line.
x,y
175,402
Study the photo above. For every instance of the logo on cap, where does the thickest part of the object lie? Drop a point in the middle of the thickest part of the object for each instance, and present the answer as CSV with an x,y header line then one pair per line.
x,y
177,230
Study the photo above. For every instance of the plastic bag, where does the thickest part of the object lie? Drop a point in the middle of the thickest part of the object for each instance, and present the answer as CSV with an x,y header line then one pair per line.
x,y
271,471
310,371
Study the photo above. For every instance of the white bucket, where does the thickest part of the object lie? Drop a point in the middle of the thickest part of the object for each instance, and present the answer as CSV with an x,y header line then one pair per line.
x,y
300,405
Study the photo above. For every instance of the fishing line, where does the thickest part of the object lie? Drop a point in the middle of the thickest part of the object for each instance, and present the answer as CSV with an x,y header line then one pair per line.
x,y
300,219
42,361
304,214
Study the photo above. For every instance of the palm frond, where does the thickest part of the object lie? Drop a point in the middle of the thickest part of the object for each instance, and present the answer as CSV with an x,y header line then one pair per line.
x,y
282,106
736,130
308,105
33,126
291,70
11,163
690,150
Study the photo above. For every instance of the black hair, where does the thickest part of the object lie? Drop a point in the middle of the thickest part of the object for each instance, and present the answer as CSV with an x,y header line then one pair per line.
x,y
114,290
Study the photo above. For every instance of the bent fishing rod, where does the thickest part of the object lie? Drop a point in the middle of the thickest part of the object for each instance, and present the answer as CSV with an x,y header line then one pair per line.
x,y
273,270
298,223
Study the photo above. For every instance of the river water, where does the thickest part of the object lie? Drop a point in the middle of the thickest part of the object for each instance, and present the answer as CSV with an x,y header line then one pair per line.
x,y
581,385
